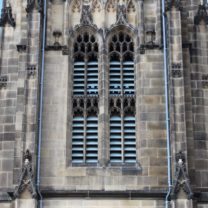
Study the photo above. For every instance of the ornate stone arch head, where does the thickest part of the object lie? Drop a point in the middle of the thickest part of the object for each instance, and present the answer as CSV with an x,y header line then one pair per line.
x,y
121,39
86,42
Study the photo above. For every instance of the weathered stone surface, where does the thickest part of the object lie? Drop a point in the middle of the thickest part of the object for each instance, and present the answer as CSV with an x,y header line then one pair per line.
x,y
188,92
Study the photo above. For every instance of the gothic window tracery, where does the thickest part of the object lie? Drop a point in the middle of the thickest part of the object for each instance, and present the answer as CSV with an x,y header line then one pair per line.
x,y
122,99
85,100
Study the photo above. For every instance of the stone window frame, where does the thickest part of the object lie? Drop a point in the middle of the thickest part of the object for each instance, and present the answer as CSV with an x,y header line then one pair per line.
x,y
124,100
103,148
85,105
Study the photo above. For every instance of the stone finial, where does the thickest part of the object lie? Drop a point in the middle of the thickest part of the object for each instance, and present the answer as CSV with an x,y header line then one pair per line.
x,y
31,69
6,16
86,16
3,81
21,48
201,15
26,177
30,5
173,3
176,70
205,81
121,16
181,180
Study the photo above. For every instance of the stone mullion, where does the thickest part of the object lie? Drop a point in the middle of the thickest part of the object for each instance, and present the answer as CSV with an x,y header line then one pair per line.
x,y
85,77
85,129
70,109
85,108
137,81
103,141
122,129
122,107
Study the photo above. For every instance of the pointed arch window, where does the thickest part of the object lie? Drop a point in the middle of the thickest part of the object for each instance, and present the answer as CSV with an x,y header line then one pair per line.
x,y
122,99
85,100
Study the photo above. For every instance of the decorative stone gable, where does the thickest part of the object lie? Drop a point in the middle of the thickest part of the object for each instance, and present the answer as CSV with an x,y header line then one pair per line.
x,y
26,180
7,16
181,180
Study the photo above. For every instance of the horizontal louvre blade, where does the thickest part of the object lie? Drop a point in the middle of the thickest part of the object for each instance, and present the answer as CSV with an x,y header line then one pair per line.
x,y
92,140
92,77
78,78
129,139
128,77
115,140
78,140
115,78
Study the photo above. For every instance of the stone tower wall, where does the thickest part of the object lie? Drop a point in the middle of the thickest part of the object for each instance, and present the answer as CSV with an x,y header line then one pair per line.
x,y
145,183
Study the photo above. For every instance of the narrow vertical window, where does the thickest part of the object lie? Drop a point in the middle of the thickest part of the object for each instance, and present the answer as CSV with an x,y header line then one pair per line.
x,y
122,99
85,100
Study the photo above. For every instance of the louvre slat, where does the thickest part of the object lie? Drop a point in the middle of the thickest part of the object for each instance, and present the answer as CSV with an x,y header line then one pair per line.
x,y
78,140
129,139
115,78
128,77
92,78
92,140
78,80
115,139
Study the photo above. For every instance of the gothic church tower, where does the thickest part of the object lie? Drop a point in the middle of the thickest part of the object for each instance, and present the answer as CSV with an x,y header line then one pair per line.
x,y
103,103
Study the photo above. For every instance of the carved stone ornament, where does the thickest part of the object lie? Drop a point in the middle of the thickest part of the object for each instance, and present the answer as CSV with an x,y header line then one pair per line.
x,y
181,180
31,69
205,81
21,48
85,105
173,3
26,177
56,46
149,46
176,73
40,6
3,81
176,65
121,16
86,16
176,70
6,17
201,15
127,103
65,50
30,5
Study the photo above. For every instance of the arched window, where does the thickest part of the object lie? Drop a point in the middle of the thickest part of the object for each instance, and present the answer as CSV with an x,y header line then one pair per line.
x,y
122,99
85,100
